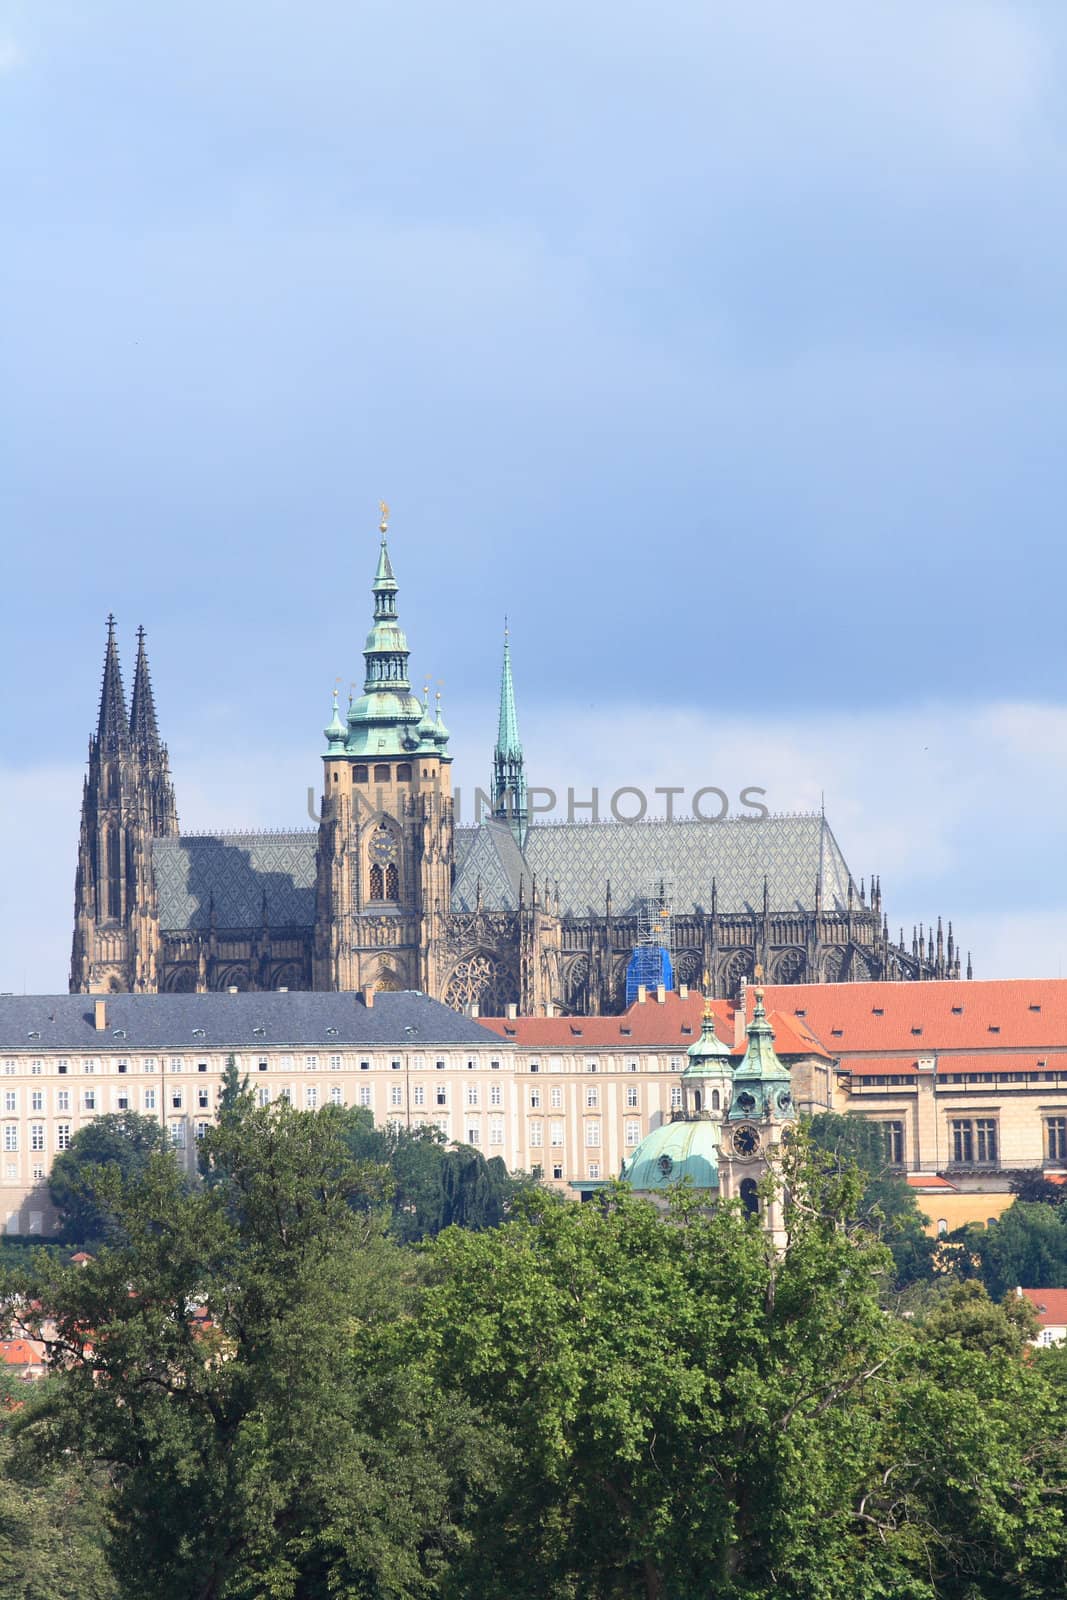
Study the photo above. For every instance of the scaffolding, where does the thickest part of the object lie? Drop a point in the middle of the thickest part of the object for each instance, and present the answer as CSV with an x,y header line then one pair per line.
x,y
651,963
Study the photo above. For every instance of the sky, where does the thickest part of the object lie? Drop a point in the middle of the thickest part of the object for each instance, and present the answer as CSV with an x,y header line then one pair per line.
x,y
721,347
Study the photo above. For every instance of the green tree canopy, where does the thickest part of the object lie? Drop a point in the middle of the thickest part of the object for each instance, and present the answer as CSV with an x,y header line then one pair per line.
x,y
887,1204
123,1143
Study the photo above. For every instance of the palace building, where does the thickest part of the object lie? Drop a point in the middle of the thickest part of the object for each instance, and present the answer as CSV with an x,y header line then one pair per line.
x,y
390,893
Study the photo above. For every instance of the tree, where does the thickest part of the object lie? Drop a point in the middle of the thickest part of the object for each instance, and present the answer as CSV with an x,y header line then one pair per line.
x,y
1031,1185
692,1415
223,1359
887,1205
122,1143
1026,1246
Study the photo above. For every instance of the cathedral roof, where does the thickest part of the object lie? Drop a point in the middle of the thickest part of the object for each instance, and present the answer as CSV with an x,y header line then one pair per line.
x,y
232,873
267,1020
793,853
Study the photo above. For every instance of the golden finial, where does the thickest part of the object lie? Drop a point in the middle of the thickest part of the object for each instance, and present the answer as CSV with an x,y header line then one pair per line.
x,y
758,973
707,996
383,526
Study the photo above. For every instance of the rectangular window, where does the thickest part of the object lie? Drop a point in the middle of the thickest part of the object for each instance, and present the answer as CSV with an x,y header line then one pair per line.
x,y
535,1099
472,1094
420,1094
89,1099
122,1099
263,1095
176,1064
594,1169
89,1066
200,1130
496,1130
631,1066
37,1100
536,1132
474,1133
631,1095
285,1063
364,1094
633,1133
36,1068
11,1067
177,1099
592,1097
557,1171
177,1133
676,1096
311,1063
962,1143
62,1099
286,1093
557,1097
985,1133
11,1135
394,1066
335,1063
11,1100
396,1094
893,1132
203,1099
556,1133
496,1095
591,1066
150,1099
337,1095
592,1134
37,1136
1056,1136
311,1096
62,1135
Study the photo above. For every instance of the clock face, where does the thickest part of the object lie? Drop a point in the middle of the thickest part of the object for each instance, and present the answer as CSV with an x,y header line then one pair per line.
x,y
665,1164
746,1141
383,847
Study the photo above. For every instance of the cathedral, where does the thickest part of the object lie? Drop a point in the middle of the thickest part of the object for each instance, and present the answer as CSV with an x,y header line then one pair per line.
x,y
389,893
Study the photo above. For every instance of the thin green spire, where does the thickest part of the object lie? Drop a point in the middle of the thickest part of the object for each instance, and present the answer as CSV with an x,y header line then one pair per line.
x,y
509,778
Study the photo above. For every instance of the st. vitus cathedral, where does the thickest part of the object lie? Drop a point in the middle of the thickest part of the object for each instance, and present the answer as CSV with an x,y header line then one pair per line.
x,y
389,893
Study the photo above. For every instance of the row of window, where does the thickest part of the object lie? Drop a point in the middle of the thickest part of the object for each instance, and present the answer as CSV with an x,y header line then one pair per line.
x,y
975,1141
312,1062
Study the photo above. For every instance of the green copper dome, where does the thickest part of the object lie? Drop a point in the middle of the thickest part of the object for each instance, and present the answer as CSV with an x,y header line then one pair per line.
x,y
336,732
673,1152
708,1056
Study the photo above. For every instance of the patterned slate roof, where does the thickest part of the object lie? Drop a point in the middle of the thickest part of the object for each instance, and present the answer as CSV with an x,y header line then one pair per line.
x,y
238,869
35,1023
490,854
737,853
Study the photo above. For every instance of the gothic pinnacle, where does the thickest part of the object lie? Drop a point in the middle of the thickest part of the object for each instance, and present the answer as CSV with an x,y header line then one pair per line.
x,y
113,728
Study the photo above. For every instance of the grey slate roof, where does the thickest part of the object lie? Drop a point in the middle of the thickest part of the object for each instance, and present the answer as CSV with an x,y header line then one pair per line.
x,y
238,869
34,1024
791,851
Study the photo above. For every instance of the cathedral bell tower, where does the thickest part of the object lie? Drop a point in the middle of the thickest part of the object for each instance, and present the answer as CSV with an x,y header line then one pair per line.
x,y
509,777
127,801
384,859
760,1118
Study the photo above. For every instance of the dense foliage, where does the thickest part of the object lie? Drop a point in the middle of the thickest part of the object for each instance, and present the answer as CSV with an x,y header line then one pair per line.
x,y
262,1390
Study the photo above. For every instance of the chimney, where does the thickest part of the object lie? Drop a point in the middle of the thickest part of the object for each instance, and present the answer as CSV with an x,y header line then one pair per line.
x,y
282,990
475,1009
661,994
368,996
232,989
683,991
739,1027
513,1011
642,994
100,1015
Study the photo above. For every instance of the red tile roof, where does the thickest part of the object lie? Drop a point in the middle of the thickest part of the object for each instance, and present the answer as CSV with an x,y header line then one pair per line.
x,y
878,1066
20,1353
1050,1305
1020,1013
915,1181
670,1024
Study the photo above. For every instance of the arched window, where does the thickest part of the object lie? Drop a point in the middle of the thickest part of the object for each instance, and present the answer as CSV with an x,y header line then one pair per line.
x,y
715,1099
750,1196
392,882
376,885
403,772
942,1227
696,1100
381,773
359,774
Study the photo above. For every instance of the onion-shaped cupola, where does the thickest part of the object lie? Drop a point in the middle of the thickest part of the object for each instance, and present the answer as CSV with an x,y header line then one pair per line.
x,y
761,1083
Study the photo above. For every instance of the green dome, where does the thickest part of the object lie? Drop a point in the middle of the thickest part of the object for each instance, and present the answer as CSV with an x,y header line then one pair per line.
x,y
675,1151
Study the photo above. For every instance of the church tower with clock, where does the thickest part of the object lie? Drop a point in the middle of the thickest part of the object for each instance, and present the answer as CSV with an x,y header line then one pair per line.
x,y
759,1119
385,846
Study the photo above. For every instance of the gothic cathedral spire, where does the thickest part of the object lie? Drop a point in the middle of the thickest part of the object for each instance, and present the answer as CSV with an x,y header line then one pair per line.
x,y
509,778
127,800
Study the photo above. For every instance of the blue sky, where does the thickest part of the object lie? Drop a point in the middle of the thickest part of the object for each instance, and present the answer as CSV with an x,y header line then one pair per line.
x,y
723,346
